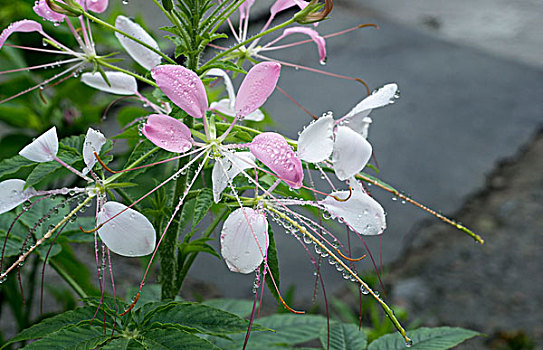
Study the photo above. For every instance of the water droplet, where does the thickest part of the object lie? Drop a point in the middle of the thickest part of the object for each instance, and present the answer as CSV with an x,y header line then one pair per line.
x,y
364,290
394,198
409,343
125,2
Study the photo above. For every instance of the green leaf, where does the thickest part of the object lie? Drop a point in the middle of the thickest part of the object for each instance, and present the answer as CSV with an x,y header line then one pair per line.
x,y
14,165
273,264
288,329
204,318
73,338
44,173
343,336
204,201
239,307
122,344
54,324
19,115
440,338
198,245
173,339
73,143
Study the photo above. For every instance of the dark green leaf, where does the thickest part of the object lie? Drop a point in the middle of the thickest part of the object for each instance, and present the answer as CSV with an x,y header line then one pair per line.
x,y
204,201
440,338
82,337
239,307
343,336
172,339
273,264
14,164
198,245
204,318
54,324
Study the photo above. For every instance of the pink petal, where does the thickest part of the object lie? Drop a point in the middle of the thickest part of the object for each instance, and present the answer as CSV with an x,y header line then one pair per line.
x,y
98,6
129,233
12,194
244,240
167,133
43,10
183,87
360,212
273,150
42,149
257,86
319,40
281,5
351,153
245,8
24,26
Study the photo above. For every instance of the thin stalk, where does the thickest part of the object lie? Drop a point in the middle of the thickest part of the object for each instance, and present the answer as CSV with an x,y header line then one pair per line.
x,y
133,165
235,47
182,274
109,26
225,15
388,311
72,282
137,76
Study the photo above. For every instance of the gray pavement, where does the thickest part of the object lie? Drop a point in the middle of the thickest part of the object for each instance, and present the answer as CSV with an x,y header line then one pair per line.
x,y
463,108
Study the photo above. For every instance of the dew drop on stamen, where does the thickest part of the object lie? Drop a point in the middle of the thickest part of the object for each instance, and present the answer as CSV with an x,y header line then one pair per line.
x,y
409,343
364,290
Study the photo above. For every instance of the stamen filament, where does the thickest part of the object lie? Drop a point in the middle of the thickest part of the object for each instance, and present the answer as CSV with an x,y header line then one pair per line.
x,y
52,64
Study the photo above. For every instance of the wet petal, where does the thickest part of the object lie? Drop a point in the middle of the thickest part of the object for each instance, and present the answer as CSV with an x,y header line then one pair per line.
x,y
145,57
316,142
273,150
257,86
223,106
43,10
227,82
97,6
380,98
240,233
24,26
183,87
94,140
167,133
351,153
128,234
244,9
281,5
42,149
121,83
227,169
256,116
13,194
361,213
319,40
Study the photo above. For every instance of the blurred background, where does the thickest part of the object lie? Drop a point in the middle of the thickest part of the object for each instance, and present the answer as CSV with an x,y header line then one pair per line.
x,y
464,139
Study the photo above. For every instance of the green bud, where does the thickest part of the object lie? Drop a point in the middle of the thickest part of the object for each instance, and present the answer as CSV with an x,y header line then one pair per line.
x,y
168,5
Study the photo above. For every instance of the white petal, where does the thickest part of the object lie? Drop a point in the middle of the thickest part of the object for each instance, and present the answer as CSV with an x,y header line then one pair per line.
x,y
121,83
256,116
129,233
42,149
12,194
145,57
240,233
316,142
227,168
361,213
223,106
227,82
351,153
379,98
93,143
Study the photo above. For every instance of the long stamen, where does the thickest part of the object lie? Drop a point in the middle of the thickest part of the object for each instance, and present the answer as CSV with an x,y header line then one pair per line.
x,y
69,167
363,284
47,81
75,33
176,210
461,227
52,64
58,52
296,102
141,166
368,91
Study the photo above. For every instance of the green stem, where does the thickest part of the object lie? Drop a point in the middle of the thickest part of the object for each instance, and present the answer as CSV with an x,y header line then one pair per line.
x,y
225,14
137,76
259,35
133,165
66,276
109,26
190,260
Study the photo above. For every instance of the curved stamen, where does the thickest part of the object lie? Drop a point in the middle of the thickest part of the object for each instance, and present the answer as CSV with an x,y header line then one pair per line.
x,y
296,102
134,302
